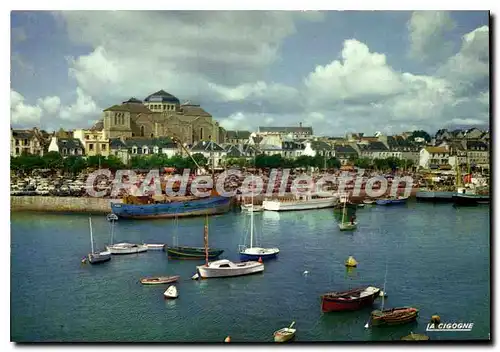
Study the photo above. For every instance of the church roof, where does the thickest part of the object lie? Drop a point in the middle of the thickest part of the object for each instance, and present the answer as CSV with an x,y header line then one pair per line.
x,y
133,101
129,107
162,96
193,110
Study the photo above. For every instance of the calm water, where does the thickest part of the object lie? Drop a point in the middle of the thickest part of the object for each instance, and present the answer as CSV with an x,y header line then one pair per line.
x,y
438,260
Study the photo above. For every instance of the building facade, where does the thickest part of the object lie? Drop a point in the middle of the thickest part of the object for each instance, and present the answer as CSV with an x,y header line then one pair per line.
x,y
94,142
34,142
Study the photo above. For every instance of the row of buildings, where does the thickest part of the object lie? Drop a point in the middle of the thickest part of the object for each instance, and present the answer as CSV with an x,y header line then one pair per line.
x,y
160,124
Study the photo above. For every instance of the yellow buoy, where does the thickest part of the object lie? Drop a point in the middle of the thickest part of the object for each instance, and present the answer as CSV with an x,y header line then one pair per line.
x,y
227,339
351,262
435,319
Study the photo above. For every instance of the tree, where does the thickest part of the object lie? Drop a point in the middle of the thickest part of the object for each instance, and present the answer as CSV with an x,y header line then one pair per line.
x,y
380,164
333,163
421,134
200,159
53,161
363,163
74,164
393,163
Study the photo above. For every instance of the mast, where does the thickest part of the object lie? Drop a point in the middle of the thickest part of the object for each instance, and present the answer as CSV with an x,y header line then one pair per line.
x,y
112,231
206,239
251,218
343,211
91,235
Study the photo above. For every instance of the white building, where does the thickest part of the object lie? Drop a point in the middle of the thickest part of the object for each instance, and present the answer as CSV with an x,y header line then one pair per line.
x,y
214,153
433,156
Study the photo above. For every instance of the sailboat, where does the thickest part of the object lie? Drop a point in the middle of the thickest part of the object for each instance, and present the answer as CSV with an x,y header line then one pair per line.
x,y
224,267
185,252
393,316
344,225
124,247
254,253
96,257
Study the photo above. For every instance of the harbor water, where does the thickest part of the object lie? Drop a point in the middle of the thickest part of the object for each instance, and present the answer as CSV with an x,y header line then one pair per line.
x,y
432,257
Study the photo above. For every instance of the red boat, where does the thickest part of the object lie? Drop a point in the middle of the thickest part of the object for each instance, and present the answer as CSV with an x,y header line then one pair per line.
x,y
349,300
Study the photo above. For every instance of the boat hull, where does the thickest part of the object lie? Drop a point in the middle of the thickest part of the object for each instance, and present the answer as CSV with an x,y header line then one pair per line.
x,y
159,280
391,201
338,304
265,256
470,199
272,205
208,272
397,316
194,253
97,258
348,226
281,337
432,196
127,250
197,207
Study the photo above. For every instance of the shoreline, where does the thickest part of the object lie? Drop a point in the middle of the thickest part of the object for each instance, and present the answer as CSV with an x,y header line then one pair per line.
x,y
49,204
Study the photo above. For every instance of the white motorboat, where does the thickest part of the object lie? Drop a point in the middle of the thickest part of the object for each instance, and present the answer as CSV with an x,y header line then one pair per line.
x,y
301,202
127,248
171,292
252,207
226,268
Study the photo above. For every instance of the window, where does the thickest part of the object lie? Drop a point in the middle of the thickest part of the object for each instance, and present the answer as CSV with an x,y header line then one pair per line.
x,y
145,150
133,134
116,121
152,135
134,150
103,147
65,151
25,142
91,146
17,151
86,136
142,131
17,141
201,133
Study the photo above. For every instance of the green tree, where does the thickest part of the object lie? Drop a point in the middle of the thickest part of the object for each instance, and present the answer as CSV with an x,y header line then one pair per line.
x,y
380,164
363,163
113,163
74,164
420,133
393,163
53,161
200,159
333,163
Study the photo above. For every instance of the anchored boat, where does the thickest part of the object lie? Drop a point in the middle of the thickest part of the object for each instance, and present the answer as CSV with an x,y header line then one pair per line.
x,y
392,201
96,257
127,248
285,334
349,300
301,202
394,316
160,280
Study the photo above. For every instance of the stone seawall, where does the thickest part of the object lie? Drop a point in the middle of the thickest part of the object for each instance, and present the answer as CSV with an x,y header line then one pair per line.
x,y
61,204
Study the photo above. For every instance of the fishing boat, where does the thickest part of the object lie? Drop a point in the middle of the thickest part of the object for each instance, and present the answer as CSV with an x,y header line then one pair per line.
x,y
127,248
160,280
193,207
171,292
194,253
254,253
285,334
349,300
394,316
300,202
392,201
345,225
96,257
470,199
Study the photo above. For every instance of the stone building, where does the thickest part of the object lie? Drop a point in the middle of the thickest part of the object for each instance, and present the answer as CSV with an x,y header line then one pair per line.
x,y
159,115
32,141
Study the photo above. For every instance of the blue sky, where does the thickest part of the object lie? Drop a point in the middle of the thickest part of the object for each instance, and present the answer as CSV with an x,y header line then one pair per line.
x,y
336,71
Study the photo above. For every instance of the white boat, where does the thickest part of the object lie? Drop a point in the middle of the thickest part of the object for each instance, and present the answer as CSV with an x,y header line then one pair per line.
x,y
345,225
255,253
226,268
155,246
301,202
252,207
96,257
127,248
171,292
112,217
285,334
369,202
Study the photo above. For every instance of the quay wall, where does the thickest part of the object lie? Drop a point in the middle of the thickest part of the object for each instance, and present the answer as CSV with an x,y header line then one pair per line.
x,y
62,204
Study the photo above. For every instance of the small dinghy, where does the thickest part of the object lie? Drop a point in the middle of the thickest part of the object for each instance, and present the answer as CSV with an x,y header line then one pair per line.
x,y
160,280
285,334
171,292
112,217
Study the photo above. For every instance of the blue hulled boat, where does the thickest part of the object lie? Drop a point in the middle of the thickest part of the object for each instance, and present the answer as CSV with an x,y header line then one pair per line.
x,y
392,201
195,207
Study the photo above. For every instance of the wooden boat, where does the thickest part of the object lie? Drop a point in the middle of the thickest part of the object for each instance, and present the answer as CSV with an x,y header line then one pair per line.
x,y
187,252
195,253
392,201
349,300
394,316
285,334
160,280
171,292
96,257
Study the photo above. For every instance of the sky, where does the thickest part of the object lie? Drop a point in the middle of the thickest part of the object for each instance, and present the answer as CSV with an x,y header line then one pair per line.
x,y
337,71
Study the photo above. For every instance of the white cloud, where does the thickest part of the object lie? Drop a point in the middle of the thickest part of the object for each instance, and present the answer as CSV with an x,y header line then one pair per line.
x,y
22,113
80,114
427,30
362,75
